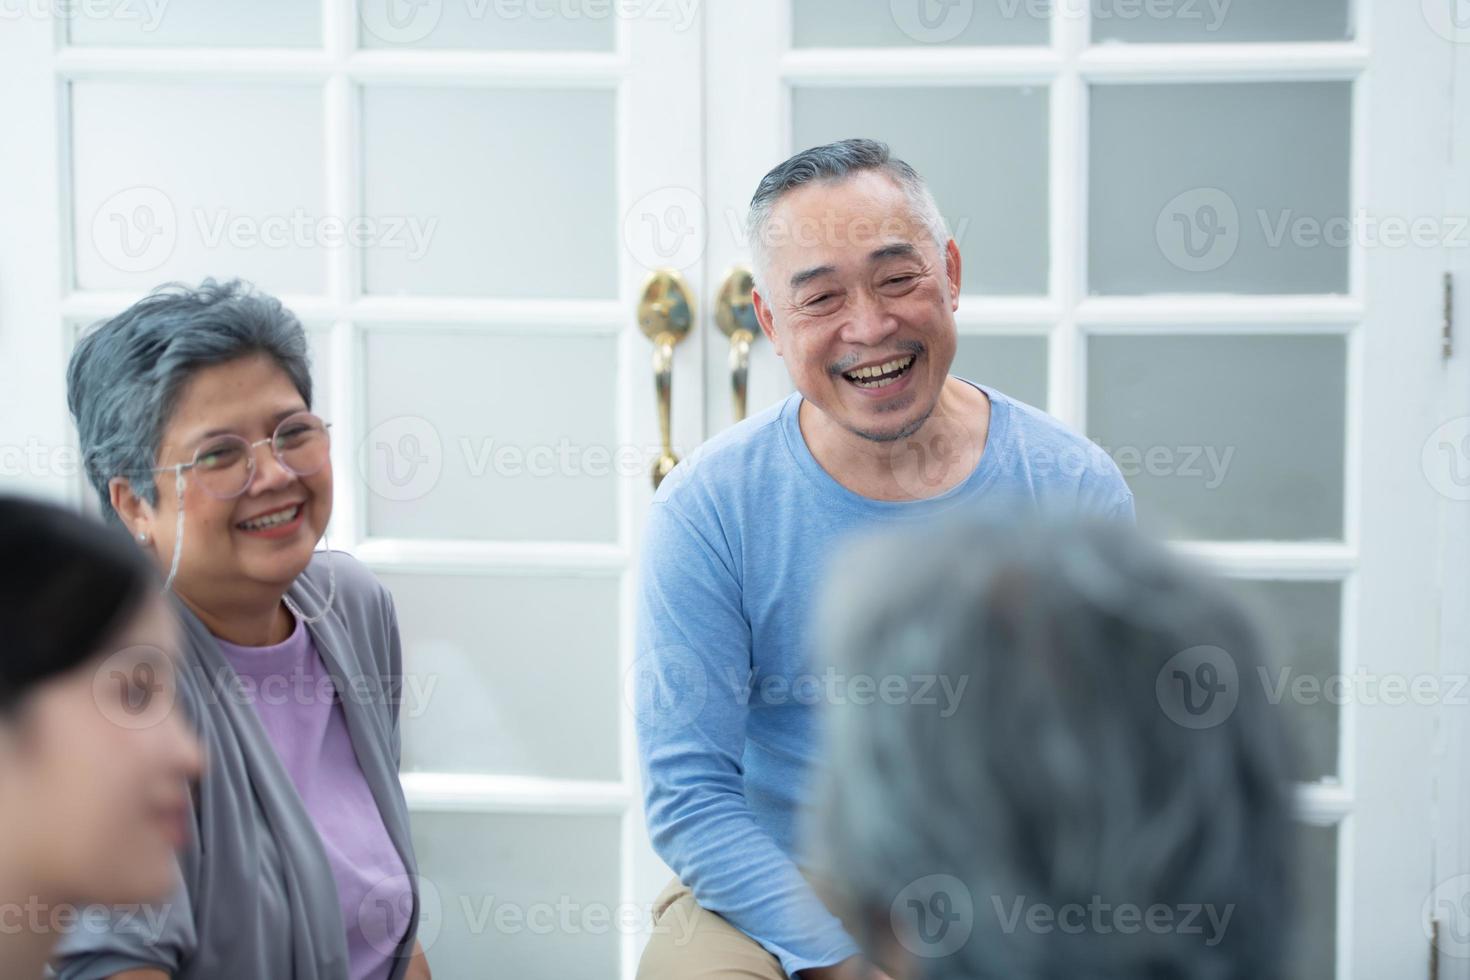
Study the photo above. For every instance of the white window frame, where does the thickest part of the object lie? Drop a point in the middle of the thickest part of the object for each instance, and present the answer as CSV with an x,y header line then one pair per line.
x,y
41,318
1378,929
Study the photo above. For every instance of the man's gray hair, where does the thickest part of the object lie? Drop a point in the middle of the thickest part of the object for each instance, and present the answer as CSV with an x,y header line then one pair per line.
x,y
1063,773
835,162
126,375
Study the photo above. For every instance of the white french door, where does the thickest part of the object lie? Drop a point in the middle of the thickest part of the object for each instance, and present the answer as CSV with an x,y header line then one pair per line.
x,y
1187,233
462,198
449,196
1447,464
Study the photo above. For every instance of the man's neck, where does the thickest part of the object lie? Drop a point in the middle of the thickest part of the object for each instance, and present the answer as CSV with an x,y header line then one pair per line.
x,y
933,460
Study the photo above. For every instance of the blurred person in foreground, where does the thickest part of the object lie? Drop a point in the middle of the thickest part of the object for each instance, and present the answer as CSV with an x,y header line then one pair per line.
x,y
95,764
1108,799
194,416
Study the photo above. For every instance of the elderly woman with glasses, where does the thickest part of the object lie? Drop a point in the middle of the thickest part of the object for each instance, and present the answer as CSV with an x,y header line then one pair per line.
x,y
194,414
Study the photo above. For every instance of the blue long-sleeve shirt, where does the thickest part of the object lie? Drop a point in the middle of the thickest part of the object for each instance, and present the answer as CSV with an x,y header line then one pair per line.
x,y
734,553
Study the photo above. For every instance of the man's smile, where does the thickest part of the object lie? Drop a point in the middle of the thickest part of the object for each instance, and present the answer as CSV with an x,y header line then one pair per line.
x,y
880,375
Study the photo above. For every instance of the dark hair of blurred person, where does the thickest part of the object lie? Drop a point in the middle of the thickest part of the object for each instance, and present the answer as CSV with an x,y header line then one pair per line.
x,y
1094,787
94,763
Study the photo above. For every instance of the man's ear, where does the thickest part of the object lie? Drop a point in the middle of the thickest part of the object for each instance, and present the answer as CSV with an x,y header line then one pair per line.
x,y
952,269
764,317
136,513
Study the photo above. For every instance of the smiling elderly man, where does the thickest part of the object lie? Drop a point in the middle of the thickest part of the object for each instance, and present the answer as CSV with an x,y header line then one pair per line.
x,y
857,283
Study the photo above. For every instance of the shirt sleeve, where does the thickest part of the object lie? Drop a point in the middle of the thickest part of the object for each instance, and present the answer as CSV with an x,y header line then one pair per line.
x,y
107,940
691,632
1123,509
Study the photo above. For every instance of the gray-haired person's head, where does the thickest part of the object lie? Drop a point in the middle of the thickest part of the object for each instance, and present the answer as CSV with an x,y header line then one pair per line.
x,y
1049,801
126,374
834,162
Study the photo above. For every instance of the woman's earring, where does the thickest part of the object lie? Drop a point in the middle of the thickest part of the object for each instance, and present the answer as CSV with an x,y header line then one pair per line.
x,y
142,537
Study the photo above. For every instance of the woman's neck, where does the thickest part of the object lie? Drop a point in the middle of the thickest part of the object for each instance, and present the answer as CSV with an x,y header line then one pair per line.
x,y
246,625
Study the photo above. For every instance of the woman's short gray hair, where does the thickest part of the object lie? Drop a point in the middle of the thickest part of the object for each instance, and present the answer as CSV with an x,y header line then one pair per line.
x,y
126,374
831,162
1063,772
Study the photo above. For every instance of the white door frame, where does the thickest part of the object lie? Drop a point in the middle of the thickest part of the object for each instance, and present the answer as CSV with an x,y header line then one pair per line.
x,y
35,431
1452,724
658,148
1401,76
718,148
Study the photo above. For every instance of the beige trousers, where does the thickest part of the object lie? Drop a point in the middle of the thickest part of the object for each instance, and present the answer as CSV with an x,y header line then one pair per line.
x,y
693,943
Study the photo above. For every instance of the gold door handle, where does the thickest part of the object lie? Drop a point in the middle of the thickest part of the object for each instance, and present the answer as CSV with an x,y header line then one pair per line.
x,y
665,315
735,316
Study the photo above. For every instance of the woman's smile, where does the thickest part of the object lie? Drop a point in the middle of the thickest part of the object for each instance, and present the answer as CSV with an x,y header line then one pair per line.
x,y
278,522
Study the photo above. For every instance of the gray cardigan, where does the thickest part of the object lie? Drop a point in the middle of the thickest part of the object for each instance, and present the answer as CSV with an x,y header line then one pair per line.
x,y
257,898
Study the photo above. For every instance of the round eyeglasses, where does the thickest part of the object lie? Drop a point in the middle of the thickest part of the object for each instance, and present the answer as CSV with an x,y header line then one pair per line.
x,y
224,465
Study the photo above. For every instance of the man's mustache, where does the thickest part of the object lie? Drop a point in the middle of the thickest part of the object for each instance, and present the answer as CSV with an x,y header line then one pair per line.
x,y
853,360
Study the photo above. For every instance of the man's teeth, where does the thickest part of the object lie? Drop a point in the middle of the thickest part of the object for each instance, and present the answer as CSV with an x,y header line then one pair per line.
x,y
271,520
880,375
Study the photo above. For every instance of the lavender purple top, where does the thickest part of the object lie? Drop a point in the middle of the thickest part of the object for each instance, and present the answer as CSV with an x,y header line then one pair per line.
x,y
296,700
256,895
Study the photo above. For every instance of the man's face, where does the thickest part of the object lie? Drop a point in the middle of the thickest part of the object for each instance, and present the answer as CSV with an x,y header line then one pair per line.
x,y
859,301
